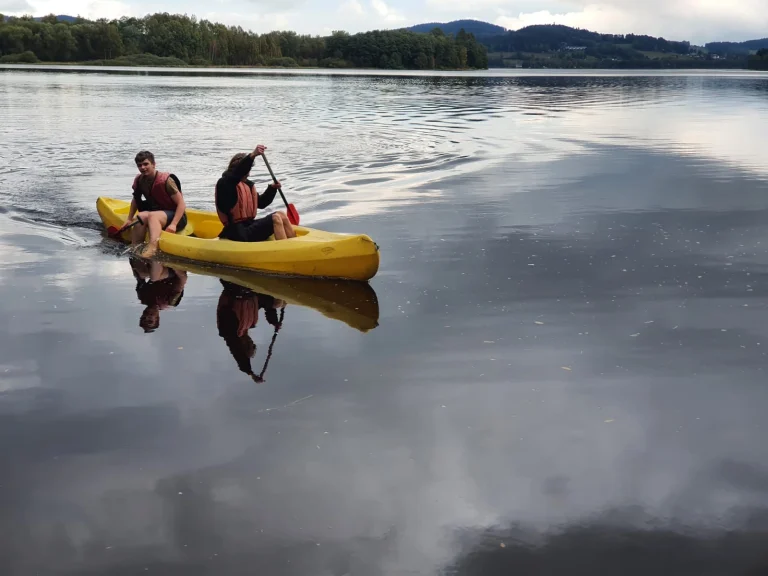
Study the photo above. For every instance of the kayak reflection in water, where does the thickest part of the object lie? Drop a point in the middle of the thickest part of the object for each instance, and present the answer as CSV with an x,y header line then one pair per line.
x,y
158,288
238,312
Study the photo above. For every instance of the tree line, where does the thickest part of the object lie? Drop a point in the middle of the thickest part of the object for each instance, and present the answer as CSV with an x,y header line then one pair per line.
x,y
759,61
548,38
743,48
556,46
181,40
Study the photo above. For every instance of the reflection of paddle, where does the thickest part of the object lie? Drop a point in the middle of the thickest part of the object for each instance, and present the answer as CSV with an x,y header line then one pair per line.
x,y
114,231
293,214
260,378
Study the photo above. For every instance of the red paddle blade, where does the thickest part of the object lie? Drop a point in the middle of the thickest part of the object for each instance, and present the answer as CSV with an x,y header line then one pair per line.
x,y
113,230
293,215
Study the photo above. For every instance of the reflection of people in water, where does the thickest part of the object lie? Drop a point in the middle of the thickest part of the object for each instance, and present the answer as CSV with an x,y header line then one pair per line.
x,y
158,288
238,312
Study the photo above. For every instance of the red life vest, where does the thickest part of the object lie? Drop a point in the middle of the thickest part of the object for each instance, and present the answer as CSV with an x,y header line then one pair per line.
x,y
245,207
158,194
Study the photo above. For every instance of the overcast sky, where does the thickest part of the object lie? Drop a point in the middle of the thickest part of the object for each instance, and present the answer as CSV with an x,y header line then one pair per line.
x,y
696,20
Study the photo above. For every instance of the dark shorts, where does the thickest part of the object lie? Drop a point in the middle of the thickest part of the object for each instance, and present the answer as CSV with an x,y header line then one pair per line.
x,y
145,206
182,223
256,230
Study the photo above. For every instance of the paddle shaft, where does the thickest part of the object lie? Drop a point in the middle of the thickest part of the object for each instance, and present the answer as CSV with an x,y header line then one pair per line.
x,y
275,181
121,230
132,224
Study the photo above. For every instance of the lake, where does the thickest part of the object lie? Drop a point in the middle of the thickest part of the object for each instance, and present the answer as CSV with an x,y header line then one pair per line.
x,y
560,367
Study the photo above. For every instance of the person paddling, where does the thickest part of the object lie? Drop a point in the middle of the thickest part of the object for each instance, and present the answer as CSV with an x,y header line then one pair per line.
x,y
237,203
162,206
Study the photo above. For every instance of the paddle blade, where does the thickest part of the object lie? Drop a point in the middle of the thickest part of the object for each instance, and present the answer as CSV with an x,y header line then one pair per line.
x,y
113,230
293,215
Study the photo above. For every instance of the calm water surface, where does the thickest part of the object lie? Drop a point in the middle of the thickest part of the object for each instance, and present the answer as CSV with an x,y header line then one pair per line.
x,y
559,369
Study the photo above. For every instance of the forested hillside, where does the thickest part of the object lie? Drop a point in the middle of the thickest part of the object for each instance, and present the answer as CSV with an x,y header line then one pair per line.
x,y
175,40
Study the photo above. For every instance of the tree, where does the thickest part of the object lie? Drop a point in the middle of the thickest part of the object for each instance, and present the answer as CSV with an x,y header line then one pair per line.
x,y
759,61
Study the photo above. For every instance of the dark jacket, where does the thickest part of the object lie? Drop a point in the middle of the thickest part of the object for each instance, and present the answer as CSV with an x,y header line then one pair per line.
x,y
226,187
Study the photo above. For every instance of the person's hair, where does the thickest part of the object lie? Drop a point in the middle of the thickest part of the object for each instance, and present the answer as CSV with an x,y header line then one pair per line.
x,y
144,155
150,319
236,160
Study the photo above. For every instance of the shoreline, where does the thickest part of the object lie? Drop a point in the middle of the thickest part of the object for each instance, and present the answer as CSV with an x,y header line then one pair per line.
x,y
321,71
101,64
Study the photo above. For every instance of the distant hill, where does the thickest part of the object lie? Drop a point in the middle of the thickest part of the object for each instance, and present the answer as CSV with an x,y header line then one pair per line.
x,y
557,46
545,38
59,17
747,47
476,27
64,18
549,37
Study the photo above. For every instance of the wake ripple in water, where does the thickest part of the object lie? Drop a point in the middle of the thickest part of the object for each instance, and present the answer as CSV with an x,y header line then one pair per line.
x,y
342,145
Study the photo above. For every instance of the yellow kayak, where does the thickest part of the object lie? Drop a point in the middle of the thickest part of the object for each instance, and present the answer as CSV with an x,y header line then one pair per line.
x,y
354,303
312,253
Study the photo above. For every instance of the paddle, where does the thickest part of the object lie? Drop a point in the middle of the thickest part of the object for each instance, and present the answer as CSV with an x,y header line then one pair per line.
x,y
115,231
293,214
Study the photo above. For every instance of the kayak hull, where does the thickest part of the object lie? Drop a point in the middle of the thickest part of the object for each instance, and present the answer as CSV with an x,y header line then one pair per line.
x,y
313,253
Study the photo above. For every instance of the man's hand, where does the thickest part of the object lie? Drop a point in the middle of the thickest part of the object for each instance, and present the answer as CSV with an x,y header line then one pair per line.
x,y
276,185
259,150
171,228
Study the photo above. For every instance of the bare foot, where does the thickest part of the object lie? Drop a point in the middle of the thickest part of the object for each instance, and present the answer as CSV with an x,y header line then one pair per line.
x,y
149,251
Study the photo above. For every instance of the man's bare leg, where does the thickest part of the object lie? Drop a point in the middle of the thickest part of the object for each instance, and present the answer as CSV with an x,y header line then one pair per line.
x,y
156,222
137,233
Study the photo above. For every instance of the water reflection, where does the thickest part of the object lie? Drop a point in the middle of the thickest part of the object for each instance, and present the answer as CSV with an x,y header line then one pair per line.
x,y
353,303
563,335
158,287
244,295
238,312
618,541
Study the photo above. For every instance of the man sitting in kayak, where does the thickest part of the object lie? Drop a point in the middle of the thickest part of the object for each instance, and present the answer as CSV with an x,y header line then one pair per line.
x,y
162,208
237,202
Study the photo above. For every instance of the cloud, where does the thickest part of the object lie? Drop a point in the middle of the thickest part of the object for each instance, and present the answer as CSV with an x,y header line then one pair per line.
x,y
107,9
696,20
15,6
86,8
352,7
385,12
277,6
260,23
